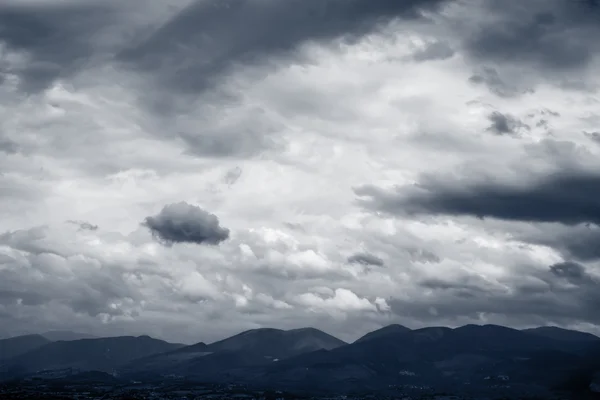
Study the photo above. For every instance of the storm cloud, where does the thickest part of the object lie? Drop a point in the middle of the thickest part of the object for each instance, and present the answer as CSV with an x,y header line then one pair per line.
x,y
555,35
569,198
186,223
55,39
214,36
539,296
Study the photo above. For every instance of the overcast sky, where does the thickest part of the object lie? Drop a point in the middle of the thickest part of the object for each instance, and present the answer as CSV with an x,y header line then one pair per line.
x,y
191,169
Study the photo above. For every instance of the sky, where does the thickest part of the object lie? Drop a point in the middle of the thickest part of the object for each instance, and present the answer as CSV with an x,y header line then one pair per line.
x,y
190,169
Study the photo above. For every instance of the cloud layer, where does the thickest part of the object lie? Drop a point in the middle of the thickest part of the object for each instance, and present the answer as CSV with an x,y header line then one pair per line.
x,y
192,168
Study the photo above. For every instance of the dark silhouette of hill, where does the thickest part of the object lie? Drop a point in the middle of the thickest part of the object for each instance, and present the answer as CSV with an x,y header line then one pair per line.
x,y
475,358
442,356
103,354
18,345
250,348
386,330
562,334
277,343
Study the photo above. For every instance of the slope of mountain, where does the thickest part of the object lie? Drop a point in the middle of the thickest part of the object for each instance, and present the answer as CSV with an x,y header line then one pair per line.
x,y
103,354
278,343
55,336
18,345
168,360
440,356
557,333
386,330
255,347
472,357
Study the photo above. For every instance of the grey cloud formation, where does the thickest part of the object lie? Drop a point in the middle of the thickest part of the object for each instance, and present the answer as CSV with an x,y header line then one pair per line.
x,y
497,84
569,198
8,146
57,39
594,136
571,271
556,35
534,297
194,49
42,279
504,124
84,225
434,51
186,223
573,242
109,108
232,176
366,259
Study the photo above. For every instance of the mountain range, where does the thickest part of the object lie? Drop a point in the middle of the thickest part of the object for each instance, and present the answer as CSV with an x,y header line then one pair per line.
x,y
474,357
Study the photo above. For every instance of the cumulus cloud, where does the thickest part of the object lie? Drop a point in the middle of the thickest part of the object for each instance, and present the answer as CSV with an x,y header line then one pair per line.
x,y
185,223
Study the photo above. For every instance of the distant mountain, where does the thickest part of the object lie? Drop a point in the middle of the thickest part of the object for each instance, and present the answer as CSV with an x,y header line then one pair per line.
x,y
277,343
557,333
386,330
440,356
168,360
250,348
18,345
104,354
475,358
66,335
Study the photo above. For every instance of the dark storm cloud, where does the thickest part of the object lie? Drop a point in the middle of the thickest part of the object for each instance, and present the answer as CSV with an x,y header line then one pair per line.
x,y
365,259
208,37
536,296
579,242
571,271
558,35
569,198
186,223
57,39
504,124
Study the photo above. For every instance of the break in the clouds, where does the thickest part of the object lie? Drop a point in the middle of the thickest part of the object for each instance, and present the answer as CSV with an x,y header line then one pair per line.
x,y
186,223
193,168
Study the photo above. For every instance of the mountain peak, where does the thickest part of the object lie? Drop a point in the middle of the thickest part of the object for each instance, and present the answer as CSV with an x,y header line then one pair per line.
x,y
277,342
386,330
